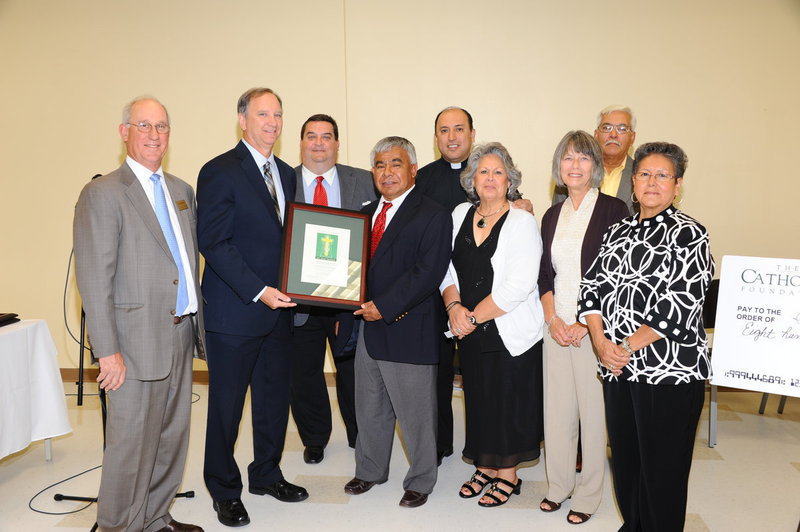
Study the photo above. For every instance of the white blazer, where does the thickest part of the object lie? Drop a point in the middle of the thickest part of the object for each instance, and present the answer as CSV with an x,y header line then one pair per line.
x,y
516,270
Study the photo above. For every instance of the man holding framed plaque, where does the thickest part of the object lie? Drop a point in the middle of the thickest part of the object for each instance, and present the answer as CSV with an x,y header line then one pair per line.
x,y
398,352
321,181
242,198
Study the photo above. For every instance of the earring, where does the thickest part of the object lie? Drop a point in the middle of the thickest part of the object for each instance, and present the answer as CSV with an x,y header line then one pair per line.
x,y
633,198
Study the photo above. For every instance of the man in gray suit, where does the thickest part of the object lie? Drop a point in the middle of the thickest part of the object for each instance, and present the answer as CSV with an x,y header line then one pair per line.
x,y
323,182
136,264
616,131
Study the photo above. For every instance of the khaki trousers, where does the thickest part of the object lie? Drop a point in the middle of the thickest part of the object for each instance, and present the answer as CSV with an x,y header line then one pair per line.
x,y
573,404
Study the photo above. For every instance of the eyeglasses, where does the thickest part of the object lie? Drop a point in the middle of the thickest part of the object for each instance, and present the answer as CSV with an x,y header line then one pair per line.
x,y
621,128
145,127
660,177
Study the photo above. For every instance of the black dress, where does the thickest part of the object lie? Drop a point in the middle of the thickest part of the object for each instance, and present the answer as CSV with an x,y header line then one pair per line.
x,y
502,393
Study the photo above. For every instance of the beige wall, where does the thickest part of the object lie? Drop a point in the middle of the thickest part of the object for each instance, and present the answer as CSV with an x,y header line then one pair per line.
x,y
720,78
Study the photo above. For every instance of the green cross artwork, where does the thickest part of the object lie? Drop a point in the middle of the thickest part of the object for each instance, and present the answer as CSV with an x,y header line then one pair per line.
x,y
326,246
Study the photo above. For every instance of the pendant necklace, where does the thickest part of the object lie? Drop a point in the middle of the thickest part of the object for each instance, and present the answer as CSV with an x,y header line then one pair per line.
x,y
482,222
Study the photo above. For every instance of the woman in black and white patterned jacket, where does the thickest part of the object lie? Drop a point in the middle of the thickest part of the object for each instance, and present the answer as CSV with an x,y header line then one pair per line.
x,y
642,301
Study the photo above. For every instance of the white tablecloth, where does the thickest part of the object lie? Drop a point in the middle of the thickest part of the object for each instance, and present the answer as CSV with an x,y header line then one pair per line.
x,y
32,402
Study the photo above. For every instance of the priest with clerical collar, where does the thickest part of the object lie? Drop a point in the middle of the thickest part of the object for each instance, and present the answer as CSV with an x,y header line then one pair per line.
x,y
454,135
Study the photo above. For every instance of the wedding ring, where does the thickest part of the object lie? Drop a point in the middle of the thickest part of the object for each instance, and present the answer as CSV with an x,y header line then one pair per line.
x,y
458,331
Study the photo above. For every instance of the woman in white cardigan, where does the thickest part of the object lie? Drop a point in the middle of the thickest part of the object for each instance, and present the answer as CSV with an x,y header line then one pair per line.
x,y
492,302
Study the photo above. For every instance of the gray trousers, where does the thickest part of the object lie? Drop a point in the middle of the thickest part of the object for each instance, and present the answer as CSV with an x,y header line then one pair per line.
x,y
147,439
387,392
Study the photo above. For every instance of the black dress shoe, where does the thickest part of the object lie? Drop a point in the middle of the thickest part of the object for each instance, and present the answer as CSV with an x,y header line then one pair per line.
x,y
282,490
357,486
440,455
231,512
313,455
412,499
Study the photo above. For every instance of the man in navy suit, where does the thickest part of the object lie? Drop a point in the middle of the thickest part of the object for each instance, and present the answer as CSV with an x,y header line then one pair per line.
x,y
242,197
398,352
321,181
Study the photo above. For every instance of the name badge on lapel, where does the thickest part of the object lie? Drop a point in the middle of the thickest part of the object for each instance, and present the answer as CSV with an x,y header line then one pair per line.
x,y
182,206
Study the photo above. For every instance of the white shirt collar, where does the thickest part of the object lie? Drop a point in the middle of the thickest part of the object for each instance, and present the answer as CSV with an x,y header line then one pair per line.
x,y
309,176
140,171
259,157
397,201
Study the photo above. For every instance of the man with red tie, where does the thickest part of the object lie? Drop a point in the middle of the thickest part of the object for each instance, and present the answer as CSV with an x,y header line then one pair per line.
x,y
322,181
398,351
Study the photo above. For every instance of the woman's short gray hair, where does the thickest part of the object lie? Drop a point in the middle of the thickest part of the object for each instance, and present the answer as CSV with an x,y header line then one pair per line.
x,y
387,143
480,151
673,152
580,142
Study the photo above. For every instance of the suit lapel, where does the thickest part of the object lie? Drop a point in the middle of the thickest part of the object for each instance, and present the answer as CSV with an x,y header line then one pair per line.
x,y
347,186
300,191
624,189
403,215
183,218
138,198
286,177
253,175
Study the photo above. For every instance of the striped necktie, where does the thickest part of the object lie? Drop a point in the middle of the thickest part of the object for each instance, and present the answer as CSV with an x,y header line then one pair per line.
x,y
271,188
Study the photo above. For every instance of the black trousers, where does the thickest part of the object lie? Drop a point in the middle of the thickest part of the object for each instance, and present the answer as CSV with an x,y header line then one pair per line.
x,y
235,363
444,396
311,407
652,429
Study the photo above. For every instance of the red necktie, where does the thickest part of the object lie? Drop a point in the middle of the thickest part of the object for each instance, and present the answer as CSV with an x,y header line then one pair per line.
x,y
320,196
377,229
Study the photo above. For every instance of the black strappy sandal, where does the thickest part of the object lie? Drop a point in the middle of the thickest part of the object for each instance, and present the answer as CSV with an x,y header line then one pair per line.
x,y
478,477
516,489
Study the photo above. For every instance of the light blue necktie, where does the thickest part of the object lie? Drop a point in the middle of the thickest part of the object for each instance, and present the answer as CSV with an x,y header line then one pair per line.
x,y
162,213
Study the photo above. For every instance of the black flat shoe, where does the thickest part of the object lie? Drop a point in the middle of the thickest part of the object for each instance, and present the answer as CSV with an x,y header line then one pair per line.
x,y
231,512
478,477
313,455
516,489
282,490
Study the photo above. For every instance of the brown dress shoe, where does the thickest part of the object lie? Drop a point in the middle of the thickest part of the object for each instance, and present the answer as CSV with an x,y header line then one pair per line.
x,y
412,499
175,526
358,486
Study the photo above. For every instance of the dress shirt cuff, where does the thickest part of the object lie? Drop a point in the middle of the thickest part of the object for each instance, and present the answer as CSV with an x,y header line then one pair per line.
x,y
258,296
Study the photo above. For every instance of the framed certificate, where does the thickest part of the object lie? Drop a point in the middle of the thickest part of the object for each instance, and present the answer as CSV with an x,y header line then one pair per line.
x,y
323,261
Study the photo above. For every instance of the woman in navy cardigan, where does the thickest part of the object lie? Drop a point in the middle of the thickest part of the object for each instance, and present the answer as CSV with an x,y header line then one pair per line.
x,y
572,231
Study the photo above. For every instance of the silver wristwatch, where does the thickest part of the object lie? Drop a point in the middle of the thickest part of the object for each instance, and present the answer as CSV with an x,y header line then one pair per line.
x,y
626,345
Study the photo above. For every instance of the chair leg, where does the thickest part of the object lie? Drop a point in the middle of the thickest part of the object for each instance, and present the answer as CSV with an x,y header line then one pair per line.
x,y
782,404
763,403
712,416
